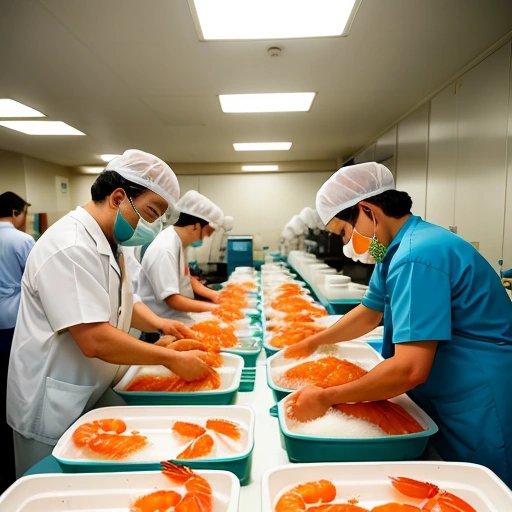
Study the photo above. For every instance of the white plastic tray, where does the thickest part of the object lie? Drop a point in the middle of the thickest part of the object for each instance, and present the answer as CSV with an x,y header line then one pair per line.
x,y
102,492
356,352
155,422
230,373
368,482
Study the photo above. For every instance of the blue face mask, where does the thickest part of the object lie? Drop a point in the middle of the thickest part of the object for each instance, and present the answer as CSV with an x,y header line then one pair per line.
x,y
143,234
197,243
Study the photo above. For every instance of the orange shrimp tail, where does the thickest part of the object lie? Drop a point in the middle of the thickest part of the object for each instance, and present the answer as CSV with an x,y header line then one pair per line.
x,y
414,488
199,491
156,501
448,502
225,427
188,429
200,447
391,418
177,473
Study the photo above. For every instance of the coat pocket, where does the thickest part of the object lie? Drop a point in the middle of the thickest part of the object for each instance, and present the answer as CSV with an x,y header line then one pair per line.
x,y
63,404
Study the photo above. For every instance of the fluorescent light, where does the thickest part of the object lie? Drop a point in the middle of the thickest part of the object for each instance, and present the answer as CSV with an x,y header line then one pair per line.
x,y
107,157
267,102
262,146
91,169
11,108
41,127
272,19
260,167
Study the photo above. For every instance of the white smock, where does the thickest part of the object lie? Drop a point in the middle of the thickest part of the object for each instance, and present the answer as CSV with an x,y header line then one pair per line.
x,y
164,273
71,278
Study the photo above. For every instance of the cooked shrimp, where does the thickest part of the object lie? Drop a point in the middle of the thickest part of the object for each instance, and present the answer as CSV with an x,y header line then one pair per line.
x,y
199,493
225,427
199,447
157,501
104,437
188,429
296,499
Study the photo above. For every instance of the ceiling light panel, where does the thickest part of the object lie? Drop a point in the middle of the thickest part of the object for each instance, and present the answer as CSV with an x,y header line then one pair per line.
x,y
41,127
12,108
262,146
108,156
260,167
272,19
266,102
91,169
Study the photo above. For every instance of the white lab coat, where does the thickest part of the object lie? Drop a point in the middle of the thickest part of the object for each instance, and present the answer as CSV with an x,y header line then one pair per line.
x,y
71,277
165,272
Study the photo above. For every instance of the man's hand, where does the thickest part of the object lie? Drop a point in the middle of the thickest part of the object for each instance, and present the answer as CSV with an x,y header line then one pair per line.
x,y
306,404
303,348
190,366
176,329
186,344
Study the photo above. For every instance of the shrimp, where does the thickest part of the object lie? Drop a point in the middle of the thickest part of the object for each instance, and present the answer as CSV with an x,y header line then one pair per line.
x,y
201,446
199,493
156,501
296,499
198,497
225,427
104,437
188,429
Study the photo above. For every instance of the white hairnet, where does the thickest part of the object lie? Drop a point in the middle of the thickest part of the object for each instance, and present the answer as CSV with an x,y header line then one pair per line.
x,y
148,171
349,185
200,206
288,233
228,223
297,225
311,218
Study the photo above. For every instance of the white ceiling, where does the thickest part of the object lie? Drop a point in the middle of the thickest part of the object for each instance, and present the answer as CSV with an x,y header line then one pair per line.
x,y
133,73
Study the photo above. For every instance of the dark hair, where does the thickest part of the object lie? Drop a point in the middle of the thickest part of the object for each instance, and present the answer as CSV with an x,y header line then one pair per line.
x,y
10,201
108,181
393,203
189,220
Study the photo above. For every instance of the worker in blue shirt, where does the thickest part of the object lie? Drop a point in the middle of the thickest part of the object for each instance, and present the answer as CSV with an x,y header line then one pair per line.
x,y
447,321
15,246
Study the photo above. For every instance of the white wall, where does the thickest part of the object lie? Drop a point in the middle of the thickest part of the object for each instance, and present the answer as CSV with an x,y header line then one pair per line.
x,y
411,160
12,173
42,190
261,203
455,162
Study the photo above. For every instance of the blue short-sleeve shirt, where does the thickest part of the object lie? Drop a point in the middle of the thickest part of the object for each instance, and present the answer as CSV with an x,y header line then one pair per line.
x,y
433,285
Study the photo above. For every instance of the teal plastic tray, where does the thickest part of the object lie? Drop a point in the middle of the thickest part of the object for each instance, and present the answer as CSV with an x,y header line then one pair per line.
x,y
302,448
240,466
248,349
154,421
248,379
225,395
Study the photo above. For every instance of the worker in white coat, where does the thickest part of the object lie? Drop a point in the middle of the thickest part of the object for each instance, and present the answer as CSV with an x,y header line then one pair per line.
x,y
76,307
164,282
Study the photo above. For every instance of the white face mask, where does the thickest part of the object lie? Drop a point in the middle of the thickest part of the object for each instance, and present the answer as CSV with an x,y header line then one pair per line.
x,y
349,251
